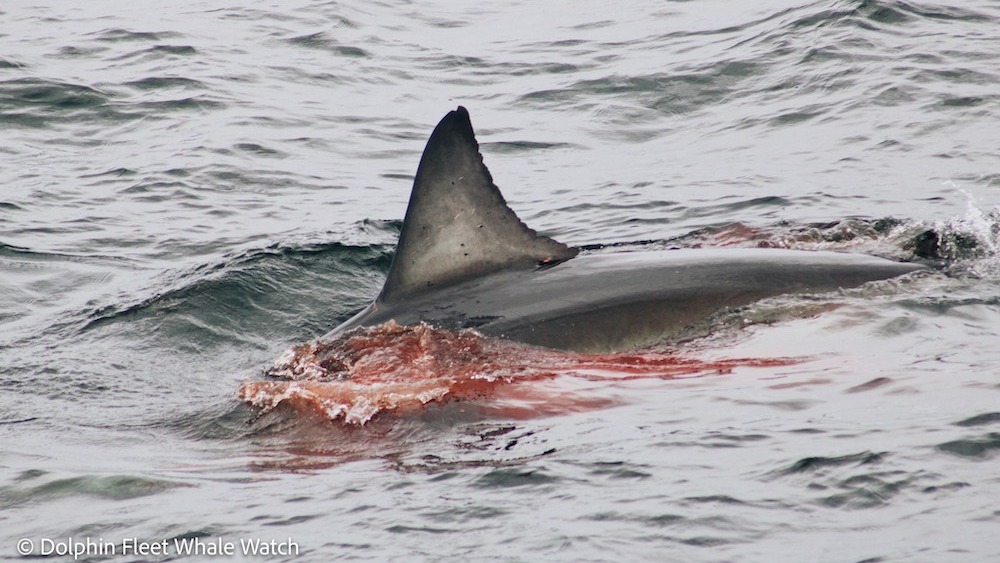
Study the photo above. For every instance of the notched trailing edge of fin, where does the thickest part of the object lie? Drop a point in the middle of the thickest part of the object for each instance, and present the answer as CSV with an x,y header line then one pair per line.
x,y
458,225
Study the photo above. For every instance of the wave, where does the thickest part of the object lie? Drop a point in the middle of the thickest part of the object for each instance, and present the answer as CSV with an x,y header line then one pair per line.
x,y
229,298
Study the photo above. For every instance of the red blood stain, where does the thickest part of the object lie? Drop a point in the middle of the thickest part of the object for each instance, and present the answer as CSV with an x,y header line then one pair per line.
x,y
398,369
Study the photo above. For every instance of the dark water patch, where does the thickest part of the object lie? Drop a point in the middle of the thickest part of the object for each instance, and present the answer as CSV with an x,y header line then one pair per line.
x,y
73,52
30,474
876,383
868,490
272,521
593,25
154,191
30,255
6,64
158,53
723,77
664,521
446,476
258,150
183,50
798,116
559,44
6,422
322,41
617,470
790,406
978,449
656,520
38,103
883,11
660,520
391,176
166,82
115,35
819,464
705,541
504,478
733,440
952,76
714,499
465,70
962,101
894,95
316,76
48,95
196,103
113,173
533,69
113,487
178,172
460,514
945,488
980,419
440,22
402,529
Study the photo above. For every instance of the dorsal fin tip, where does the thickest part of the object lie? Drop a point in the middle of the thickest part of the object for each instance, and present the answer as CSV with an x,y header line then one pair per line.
x,y
458,225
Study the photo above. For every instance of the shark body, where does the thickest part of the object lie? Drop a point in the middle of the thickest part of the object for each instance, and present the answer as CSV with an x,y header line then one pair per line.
x,y
465,260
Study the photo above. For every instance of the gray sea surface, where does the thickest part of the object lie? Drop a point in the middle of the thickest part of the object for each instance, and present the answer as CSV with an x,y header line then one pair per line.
x,y
188,188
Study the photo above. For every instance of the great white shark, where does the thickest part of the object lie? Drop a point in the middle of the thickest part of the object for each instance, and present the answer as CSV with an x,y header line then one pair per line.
x,y
465,260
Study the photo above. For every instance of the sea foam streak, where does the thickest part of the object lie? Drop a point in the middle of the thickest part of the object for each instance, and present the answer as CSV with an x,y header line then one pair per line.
x,y
394,368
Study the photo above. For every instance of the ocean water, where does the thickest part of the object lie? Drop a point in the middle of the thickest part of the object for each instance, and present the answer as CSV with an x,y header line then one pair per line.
x,y
189,189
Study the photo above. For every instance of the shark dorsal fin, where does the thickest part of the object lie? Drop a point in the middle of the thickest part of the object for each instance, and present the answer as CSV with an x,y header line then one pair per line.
x,y
458,226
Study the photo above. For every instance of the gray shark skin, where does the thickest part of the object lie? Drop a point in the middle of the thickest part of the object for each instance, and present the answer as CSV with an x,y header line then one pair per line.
x,y
465,260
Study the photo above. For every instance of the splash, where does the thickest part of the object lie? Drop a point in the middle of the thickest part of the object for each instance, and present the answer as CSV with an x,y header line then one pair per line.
x,y
398,369
971,241
968,244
